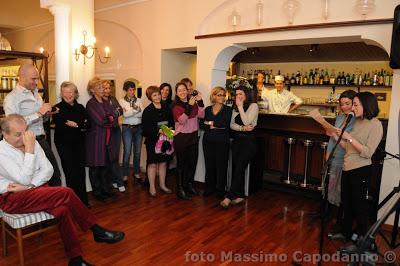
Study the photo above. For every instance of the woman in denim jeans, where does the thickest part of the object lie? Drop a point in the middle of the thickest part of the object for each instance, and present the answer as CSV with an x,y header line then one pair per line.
x,y
131,129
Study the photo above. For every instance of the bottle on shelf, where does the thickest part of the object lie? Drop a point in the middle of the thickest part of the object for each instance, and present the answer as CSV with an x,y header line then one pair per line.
x,y
305,78
332,78
298,77
287,79
326,77
4,81
292,80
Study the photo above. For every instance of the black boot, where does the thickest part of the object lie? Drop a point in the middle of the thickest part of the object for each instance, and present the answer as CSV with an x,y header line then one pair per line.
x,y
191,190
180,192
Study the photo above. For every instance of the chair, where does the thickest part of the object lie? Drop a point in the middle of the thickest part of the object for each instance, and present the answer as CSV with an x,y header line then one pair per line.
x,y
15,225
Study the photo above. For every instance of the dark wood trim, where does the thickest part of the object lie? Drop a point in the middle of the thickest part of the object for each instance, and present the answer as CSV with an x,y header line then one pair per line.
x,y
22,54
300,27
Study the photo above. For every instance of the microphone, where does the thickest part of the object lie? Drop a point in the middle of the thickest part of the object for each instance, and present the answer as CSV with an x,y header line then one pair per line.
x,y
349,117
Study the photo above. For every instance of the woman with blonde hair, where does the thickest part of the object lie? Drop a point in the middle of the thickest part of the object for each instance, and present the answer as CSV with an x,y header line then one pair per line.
x,y
100,149
217,120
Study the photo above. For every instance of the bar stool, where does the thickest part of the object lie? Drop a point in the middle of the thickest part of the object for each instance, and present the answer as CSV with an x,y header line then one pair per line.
x,y
307,143
323,146
290,141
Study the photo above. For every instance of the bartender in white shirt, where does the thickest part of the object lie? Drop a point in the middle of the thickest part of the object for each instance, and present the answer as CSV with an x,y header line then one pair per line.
x,y
281,100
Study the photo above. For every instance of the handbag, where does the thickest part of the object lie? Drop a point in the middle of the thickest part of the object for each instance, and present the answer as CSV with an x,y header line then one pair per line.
x,y
164,145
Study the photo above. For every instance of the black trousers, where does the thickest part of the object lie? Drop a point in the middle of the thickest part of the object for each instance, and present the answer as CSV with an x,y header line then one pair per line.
x,y
100,179
216,156
73,164
354,200
186,162
243,150
55,180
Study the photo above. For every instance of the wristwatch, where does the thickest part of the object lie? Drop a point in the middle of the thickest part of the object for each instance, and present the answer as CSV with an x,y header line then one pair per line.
x,y
350,141
30,186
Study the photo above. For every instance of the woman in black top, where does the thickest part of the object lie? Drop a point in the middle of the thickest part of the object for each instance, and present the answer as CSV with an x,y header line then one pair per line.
x,y
155,115
166,94
243,121
69,138
217,121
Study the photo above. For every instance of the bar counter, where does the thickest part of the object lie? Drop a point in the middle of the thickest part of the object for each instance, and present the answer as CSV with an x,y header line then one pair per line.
x,y
273,131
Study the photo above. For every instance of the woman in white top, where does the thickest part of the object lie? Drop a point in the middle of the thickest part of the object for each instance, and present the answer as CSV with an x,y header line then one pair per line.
x,y
243,122
131,129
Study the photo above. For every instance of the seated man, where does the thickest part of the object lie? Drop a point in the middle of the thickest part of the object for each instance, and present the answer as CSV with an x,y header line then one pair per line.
x,y
281,100
24,171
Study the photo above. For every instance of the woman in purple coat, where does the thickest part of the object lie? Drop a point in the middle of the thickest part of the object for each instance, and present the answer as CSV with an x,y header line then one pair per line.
x,y
100,149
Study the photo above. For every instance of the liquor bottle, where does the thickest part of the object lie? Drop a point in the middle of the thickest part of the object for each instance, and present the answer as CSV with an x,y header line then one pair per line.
x,y
292,80
298,77
305,78
316,76
386,79
287,79
381,78
332,78
375,79
311,77
4,83
347,79
353,79
326,77
271,77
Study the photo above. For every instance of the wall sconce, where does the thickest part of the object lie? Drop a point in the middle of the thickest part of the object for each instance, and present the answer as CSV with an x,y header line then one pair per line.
x,y
46,54
365,6
234,19
88,51
290,7
260,12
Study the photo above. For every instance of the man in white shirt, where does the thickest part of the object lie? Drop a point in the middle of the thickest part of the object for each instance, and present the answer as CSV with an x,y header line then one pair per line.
x,y
24,171
25,100
281,100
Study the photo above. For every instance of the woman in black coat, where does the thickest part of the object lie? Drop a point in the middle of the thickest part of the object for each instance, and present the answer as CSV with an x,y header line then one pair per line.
x,y
155,115
69,138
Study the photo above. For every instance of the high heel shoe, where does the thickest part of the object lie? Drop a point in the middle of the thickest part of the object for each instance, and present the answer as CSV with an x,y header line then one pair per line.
x,y
153,194
225,203
237,201
166,190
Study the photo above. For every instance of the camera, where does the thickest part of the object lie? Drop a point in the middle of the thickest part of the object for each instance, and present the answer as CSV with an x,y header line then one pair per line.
x,y
195,93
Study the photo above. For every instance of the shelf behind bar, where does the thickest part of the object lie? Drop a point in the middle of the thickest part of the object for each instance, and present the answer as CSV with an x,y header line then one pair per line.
x,y
335,85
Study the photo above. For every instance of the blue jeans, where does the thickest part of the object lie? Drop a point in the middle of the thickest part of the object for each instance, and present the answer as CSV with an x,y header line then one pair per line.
x,y
131,136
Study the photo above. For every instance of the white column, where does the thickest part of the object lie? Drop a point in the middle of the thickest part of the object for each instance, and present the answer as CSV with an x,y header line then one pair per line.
x,y
62,44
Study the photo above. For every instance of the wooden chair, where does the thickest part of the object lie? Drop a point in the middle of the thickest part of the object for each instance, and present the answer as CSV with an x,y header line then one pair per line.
x,y
16,224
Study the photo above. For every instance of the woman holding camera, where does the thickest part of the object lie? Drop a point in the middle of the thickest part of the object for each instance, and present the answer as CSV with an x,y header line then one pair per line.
x,y
243,122
131,129
217,119
154,116
186,111
69,138
100,147
360,144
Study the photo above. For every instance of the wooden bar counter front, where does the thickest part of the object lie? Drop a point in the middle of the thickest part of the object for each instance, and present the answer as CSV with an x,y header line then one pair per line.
x,y
273,132
309,143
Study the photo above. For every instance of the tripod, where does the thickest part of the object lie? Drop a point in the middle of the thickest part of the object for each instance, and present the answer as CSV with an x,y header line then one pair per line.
x,y
392,243
365,245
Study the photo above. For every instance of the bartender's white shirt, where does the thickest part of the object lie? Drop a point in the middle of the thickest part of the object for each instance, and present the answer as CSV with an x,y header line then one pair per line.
x,y
280,102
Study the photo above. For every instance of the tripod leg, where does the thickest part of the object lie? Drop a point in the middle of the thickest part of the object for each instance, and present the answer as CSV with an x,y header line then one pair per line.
x,y
395,229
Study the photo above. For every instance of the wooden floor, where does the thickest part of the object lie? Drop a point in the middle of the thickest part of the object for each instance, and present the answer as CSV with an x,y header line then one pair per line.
x,y
272,226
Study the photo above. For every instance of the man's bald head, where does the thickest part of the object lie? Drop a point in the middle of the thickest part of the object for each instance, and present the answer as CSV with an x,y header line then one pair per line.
x,y
28,76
